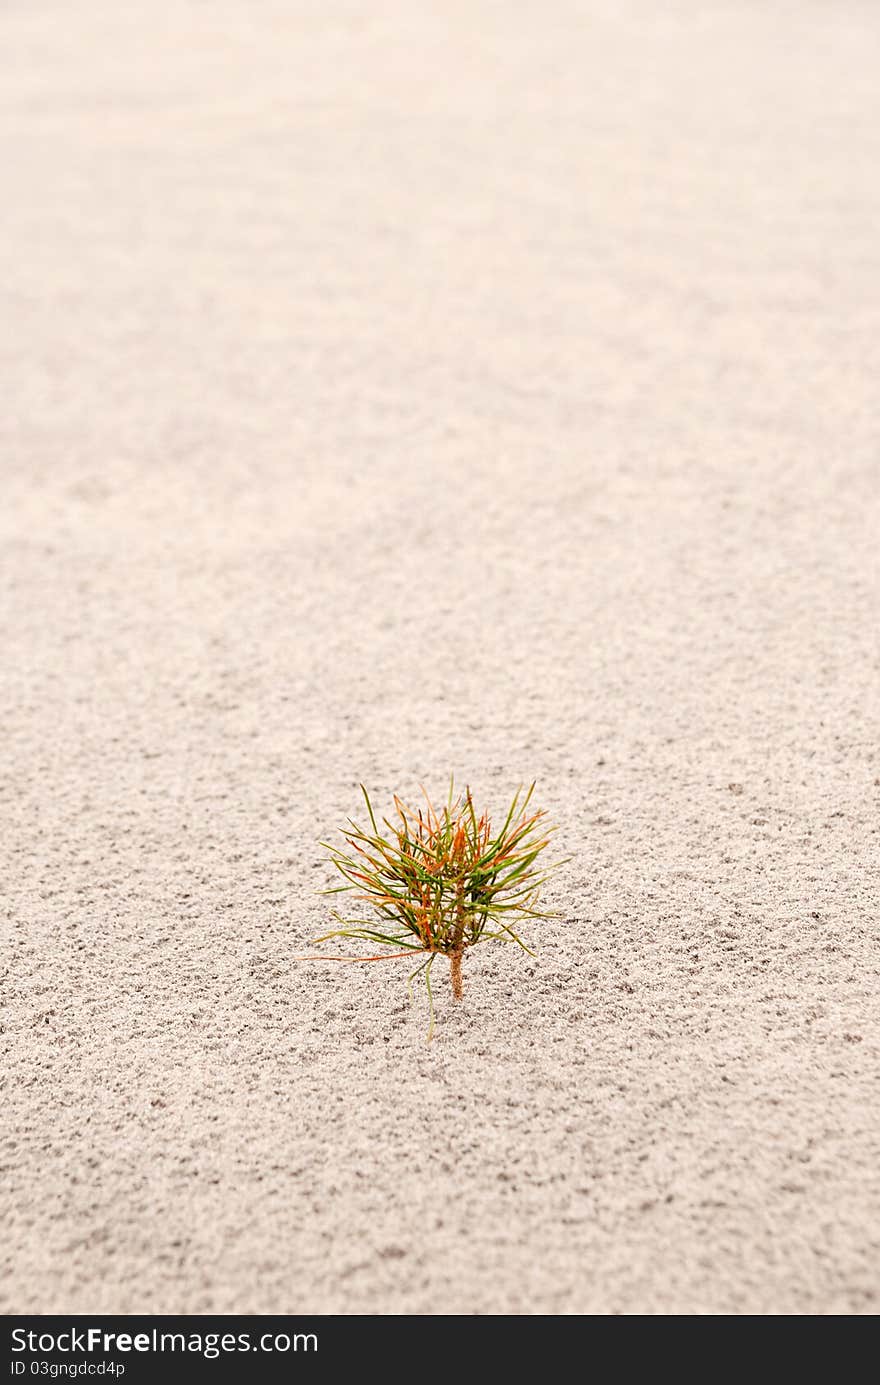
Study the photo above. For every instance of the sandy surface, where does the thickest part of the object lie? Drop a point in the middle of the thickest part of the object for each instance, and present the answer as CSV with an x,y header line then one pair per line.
x,y
393,389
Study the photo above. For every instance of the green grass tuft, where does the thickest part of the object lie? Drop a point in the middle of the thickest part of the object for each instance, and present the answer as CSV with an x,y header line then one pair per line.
x,y
441,882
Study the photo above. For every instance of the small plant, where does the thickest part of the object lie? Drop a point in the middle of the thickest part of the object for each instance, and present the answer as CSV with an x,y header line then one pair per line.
x,y
441,882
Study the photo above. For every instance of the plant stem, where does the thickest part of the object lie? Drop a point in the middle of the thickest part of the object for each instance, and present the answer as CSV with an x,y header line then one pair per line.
x,y
457,942
455,974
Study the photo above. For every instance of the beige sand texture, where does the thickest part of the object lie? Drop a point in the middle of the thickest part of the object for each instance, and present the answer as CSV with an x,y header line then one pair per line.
x,y
393,389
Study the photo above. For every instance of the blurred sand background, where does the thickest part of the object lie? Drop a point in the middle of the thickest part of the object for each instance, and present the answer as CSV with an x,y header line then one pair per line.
x,y
396,388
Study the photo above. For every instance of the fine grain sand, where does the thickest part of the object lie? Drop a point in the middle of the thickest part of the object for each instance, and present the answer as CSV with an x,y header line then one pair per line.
x,y
392,389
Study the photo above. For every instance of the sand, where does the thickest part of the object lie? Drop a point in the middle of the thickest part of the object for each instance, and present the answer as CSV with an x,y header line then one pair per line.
x,y
392,390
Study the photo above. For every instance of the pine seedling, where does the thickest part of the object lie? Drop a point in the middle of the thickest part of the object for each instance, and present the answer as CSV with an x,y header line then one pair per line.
x,y
439,883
